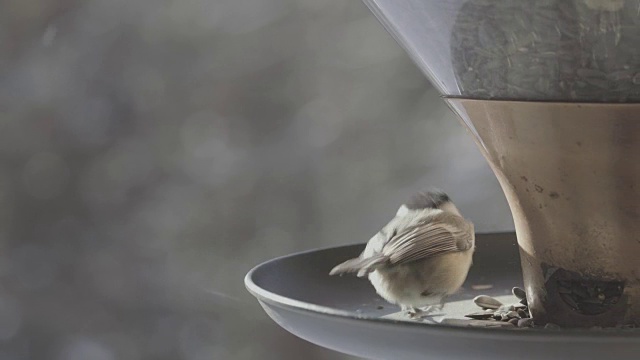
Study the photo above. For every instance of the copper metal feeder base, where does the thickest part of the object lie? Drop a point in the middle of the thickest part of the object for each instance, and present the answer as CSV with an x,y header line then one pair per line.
x,y
571,175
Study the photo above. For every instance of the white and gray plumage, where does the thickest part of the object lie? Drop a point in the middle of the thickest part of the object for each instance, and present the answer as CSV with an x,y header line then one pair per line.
x,y
420,257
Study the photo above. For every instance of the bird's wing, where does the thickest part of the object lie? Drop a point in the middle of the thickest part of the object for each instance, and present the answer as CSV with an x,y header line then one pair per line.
x,y
429,239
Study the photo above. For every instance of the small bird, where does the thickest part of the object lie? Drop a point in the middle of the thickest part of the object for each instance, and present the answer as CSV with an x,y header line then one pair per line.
x,y
420,257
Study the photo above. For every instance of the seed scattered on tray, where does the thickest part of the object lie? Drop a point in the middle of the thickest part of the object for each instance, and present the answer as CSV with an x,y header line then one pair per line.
x,y
517,315
589,297
514,314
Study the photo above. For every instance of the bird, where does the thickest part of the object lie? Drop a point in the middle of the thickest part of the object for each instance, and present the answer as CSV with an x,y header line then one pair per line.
x,y
420,258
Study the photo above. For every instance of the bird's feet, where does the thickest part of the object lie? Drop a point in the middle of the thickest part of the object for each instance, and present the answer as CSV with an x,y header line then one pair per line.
x,y
419,313
423,312
438,307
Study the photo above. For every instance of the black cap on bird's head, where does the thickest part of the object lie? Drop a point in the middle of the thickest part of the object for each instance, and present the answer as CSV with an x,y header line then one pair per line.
x,y
433,199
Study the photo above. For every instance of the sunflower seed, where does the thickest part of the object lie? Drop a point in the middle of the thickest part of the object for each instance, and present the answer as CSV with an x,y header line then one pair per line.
x,y
590,300
519,293
487,302
579,291
480,315
506,308
525,322
512,315
519,306
568,299
524,302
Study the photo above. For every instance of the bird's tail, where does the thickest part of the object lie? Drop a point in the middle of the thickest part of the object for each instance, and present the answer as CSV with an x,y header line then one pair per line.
x,y
361,266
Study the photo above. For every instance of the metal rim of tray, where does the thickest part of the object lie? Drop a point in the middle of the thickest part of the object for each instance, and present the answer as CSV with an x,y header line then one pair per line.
x,y
555,335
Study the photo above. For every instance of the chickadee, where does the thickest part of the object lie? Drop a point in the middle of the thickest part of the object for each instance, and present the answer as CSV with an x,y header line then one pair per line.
x,y
420,257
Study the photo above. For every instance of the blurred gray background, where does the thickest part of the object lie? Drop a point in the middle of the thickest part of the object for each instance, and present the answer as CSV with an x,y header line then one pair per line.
x,y
153,151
